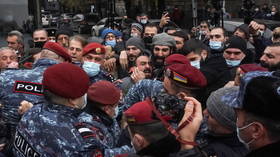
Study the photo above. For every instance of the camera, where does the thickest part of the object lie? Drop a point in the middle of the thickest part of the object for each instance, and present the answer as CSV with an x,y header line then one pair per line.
x,y
170,105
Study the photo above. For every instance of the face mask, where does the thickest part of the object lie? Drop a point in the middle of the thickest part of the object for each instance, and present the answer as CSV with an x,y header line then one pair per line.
x,y
52,41
215,45
91,68
144,21
257,9
84,104
247,144
196,64
261,33
116,111
202,32
111,43
273,13
39,44
134,35
148,39
233,63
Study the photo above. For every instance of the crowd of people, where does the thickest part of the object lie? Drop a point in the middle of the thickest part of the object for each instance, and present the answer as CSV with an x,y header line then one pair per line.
x,y
145,90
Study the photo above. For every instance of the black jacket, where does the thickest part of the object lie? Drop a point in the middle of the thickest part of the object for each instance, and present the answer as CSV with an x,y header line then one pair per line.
x,y
271,150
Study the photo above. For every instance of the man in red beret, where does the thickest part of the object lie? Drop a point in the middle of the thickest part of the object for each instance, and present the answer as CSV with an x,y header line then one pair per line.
x,y
103,100
19,85
93,60
52,127
179,77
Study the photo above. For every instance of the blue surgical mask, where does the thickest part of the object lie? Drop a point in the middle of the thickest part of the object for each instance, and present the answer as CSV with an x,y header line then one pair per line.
x,y
84,104
134,35
91,68
144,21
246,144
233,63
215,45
196,64
111,43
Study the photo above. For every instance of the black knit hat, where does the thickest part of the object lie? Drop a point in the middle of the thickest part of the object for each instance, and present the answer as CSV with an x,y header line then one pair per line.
x,y
236,42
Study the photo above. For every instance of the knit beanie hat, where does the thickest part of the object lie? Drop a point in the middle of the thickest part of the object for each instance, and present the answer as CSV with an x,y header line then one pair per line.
x,y
236,42
137,42
163,39
217,106
138,26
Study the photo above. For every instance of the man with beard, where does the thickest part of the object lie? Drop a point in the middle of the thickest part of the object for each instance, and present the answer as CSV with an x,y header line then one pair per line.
x,y
180,37
271,57
142,70
134,47
179,76
163,46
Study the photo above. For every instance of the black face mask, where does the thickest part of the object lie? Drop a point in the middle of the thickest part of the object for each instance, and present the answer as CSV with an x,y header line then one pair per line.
x,y
148,39
39,44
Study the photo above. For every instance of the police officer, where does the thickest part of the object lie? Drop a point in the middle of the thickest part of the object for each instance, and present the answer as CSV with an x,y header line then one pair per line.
x,y
19,85
103,109
93,61
51,128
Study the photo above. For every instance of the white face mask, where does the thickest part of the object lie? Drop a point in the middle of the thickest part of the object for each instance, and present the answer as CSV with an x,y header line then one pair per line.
x,y
233,63
84,104
116,111
134,35
247,144
144,21
91,68
196,64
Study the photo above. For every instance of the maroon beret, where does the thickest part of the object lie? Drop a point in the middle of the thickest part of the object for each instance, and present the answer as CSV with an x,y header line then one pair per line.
x,y
95,48
66,80
251,67
58,49
104,92
140,113
182,72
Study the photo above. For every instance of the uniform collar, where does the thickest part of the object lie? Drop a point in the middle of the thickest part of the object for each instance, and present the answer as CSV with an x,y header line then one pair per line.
x,y
62,109
44,62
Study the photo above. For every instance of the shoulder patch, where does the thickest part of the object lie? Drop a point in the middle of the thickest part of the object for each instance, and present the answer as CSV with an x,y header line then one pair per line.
x,y
84,131
28,88
24,147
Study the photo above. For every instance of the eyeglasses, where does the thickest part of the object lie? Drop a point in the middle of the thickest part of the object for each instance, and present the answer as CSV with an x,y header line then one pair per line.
x,y
216,36
163,49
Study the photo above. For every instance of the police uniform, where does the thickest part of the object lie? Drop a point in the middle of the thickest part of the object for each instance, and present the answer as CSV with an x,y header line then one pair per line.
x,y
107,131
102,75
54,130
19,85
140,91
50,129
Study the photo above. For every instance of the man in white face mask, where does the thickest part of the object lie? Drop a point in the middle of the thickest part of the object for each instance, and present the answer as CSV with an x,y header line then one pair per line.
x,y
234,53
257,107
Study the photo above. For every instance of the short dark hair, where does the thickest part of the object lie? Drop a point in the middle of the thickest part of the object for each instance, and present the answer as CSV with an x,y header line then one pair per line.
x,y
194,45
205,22
152,25
181,34
276,44
224,31
152,132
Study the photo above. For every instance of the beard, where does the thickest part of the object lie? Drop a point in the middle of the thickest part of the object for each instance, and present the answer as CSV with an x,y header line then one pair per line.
x,y
270,67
